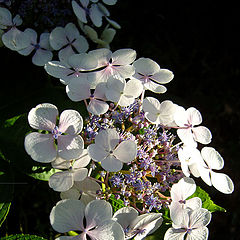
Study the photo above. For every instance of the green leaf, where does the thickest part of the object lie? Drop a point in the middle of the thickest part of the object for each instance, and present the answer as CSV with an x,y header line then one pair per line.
x,y
23,237
4,209
206,201
42,173
116,203
10,122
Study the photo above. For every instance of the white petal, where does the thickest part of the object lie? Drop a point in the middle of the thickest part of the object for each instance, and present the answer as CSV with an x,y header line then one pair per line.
x,y
96,212
151,105
60,163
174,234
44,41
71,32
167,111
79,12
100,90
58,38
61,181
186,136
125,215
133,88
205,174
162,76
198,234
96,152
181,117
81,44
65,53
78,90
72,193
126,151
194,116
43,116
212,158
83,161
183,189
107,139
125,71
80,174
125,100
109,230
202,134
222,182
96,15
70,122
111,164
154,87
5,17
70,146
146,66
67,215
40,147
58,70
123,56
41,57
194,203
199,218
97,107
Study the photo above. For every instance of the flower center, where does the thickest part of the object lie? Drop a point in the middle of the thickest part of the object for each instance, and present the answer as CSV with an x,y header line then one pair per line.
x,y
56,133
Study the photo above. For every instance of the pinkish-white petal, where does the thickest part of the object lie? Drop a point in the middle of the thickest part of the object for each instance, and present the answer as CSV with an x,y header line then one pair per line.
x,y
70,146
70,122
40,147
97,107
194,116
202,134
43,117
78,90
123,56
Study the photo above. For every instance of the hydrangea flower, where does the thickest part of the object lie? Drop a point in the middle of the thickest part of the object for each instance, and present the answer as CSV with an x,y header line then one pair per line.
x,y
193,225
78,91
42,48
85,190
77,67
6,20
93,221
76,171
41,147
159,113
137,226
68,40
122,92
116,64
179,193
151,76
189,157
110,152
188,133
83,10
214,161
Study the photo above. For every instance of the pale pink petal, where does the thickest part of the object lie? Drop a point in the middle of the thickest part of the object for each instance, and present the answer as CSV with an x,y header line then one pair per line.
x,y
70,146
40,147
70,122
43,117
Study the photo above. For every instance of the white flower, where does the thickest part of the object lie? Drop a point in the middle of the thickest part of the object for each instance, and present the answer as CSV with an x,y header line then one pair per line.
x,y
68,40
122,92
214,161
116,64
159,113
109,152
82,11
93,221
77,67
76,171
85,190
137,226
179,194
189,157
42,48
151,76
6,20
188,133
78,91
193,226
41,147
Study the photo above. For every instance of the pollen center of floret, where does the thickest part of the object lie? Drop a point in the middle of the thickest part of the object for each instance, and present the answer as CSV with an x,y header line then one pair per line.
x,y
56,133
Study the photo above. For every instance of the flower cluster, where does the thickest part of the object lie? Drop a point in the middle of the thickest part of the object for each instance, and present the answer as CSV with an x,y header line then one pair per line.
x,y
131,149
61,36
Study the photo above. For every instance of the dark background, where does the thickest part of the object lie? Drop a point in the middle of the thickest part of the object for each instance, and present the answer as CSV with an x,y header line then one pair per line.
x,y
199,42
